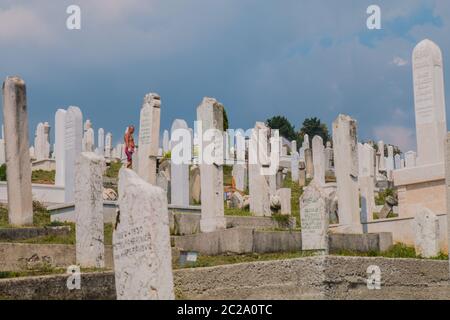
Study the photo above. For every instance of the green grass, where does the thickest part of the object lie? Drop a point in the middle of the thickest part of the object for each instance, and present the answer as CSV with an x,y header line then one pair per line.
x,y
296,192
113,170
42,271
41,217
211,261
396,251
380,200
237,212
70,238
43,177
227,175
282,219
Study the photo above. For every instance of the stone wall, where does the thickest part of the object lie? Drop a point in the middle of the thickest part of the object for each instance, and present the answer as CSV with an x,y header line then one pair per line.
x,y
327,277
245,240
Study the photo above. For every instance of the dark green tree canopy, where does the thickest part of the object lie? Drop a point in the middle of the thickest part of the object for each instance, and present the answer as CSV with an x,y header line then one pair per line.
x,y
225,119
286,129
314,127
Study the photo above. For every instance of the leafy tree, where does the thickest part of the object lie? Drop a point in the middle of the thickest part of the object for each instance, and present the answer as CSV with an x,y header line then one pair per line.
x,y
314,127
3,172
225,119
285,128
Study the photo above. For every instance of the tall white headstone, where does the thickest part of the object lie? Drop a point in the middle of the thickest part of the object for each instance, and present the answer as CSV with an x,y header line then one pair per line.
x,y
149,137
447,185
90,246
318,150
366,180
314,218
101,142
240,168
381,157
429,101
73,143
426,225
15,117
259,184
108,145
88,137
141,241
59,152
295,159
346,168
41,141
179,164
166,141
410,159
210,113
328,157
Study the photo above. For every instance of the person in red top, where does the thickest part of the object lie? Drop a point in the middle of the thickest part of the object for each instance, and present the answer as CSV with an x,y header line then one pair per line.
x,y
129,146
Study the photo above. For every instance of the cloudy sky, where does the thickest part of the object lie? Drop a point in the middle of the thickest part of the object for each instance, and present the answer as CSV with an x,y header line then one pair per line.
x,y
260,58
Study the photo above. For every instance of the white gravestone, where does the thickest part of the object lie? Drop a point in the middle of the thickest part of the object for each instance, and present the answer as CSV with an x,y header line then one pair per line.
x,y
90,247
101,142
366,180
314,219
429,102
108,145
179,165
346,167
284,194
72,142
447,185
210,114
259,184
89,137
149,137
240,168
41,141
318,160
382,158
295,159
426,225
328,157
166,142
141,241
59,150
15,117
410,159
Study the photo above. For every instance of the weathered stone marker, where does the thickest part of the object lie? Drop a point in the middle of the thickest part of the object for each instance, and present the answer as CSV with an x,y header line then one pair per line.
x,y
73,144
240,168
179,164
366,180
210,114
90,248
259,184
346,167
284,195
295,159
318,151
141,241
429,102
314,218
15,118
59,152
149,137
426,226
447,184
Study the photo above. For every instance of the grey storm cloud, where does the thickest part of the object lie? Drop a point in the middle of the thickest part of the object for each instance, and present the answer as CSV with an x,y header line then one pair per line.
x,y
259,58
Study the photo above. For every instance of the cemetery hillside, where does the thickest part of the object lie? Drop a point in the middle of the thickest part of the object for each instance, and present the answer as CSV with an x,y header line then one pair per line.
x,y
312,202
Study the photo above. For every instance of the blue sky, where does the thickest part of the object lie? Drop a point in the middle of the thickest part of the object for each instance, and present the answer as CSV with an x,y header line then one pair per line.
x,y
258,57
